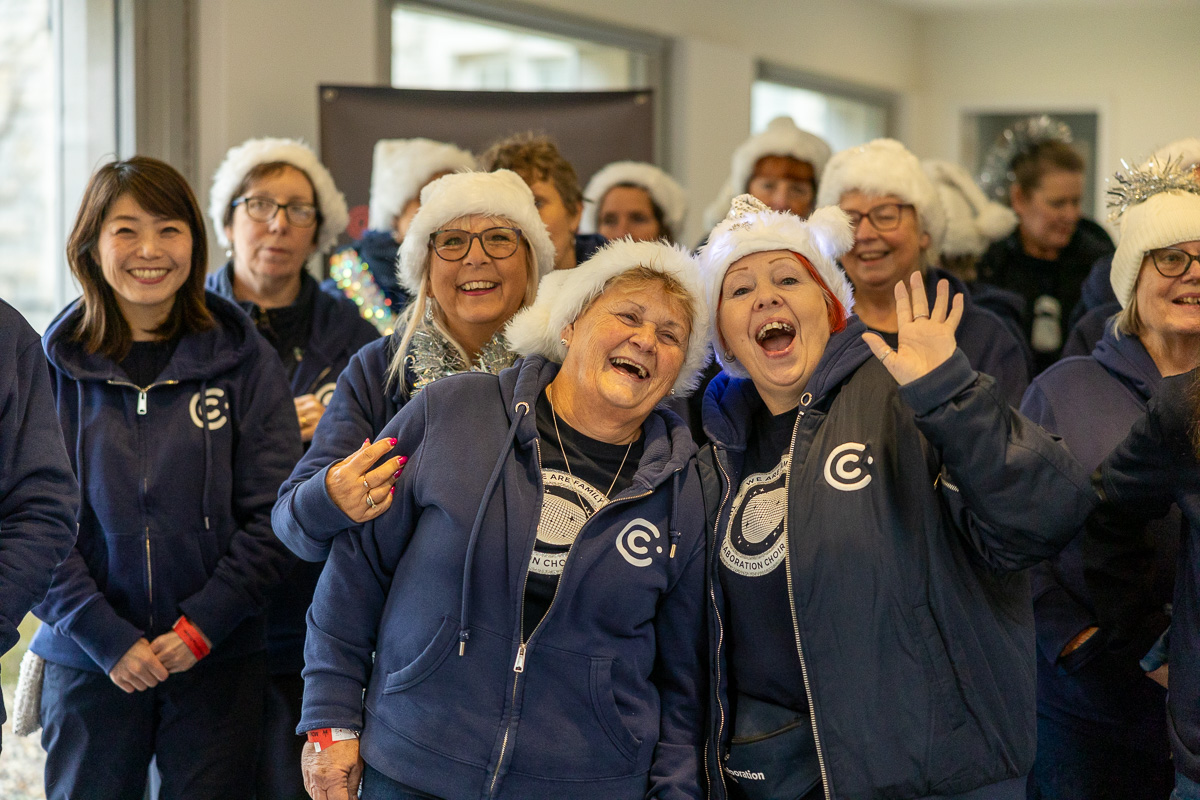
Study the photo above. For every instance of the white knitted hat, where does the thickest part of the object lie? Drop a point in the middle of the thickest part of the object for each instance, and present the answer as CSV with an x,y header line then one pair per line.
x,y
664,191
886,167
494,194
781,138
1162,220
400,167
1185,152
752,227
972,221
563,295
248,155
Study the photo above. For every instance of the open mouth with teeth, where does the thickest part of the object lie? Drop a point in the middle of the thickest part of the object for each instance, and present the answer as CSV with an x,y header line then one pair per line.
x,y
477,287
149,274
630,368
1187,300
775,336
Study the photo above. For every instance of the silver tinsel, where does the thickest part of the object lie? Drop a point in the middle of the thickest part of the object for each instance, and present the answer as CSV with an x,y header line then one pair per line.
x,y
997,174
1138,184
431,355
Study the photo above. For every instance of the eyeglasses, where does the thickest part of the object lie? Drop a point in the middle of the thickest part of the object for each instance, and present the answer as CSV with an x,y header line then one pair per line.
x,y
453,245
794,190
264,209
1171,262
883,218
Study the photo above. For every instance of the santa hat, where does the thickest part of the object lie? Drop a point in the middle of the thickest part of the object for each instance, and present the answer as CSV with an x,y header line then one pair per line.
x,y
664,191
1185,152
752,227
253,152
781,138
972,221
886,167
563,295
400,167
491,194
1156,205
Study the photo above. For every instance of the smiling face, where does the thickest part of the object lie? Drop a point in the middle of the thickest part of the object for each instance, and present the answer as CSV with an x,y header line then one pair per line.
x,y
625,351
880,259
628,211
773,317
561,223
1050,213
478,294
145,259
274,250
1169,308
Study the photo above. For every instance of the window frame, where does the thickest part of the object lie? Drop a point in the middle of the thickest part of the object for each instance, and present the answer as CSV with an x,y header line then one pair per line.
x,y
771,72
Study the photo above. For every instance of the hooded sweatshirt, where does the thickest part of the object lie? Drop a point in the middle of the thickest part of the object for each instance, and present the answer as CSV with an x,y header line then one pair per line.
x,y
422,608
908,523
38,494
379,250
1092,402
177,482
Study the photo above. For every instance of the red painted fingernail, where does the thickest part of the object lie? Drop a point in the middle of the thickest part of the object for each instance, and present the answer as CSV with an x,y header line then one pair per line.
x,y
402,460
366,442
392,490
396,474
393,441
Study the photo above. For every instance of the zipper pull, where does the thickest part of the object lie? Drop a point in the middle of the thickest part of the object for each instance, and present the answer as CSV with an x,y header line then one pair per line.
x,y
298,353
520,665
141,402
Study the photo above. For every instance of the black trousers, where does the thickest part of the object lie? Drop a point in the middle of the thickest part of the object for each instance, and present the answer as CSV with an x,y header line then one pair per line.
x,y
202,726
279,776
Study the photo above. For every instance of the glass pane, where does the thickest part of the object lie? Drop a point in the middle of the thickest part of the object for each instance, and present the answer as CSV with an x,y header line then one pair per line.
x,y
28,267
841,121
447,51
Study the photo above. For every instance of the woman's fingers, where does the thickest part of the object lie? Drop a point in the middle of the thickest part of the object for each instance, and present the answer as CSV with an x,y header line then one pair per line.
x,y
920,301
956,312
941,303
387,473
366,456
903,306
878,346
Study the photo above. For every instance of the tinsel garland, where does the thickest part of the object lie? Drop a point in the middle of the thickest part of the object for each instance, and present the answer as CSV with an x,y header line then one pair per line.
x,y
997,174
354,278
1137,184
431,355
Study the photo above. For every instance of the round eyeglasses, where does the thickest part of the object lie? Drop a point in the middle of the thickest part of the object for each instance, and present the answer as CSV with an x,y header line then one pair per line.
x,y
264,209
453,244
1171,262
883,218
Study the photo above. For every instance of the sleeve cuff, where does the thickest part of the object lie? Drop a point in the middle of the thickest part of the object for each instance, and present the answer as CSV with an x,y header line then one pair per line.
x,y
103,635
331,701
217,609
314,521
946,381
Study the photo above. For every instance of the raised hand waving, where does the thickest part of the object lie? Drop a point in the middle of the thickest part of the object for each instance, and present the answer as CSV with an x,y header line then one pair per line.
x,y
926,338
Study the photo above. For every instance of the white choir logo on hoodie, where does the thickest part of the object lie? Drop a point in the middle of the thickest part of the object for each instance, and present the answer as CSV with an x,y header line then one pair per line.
x,y
215,408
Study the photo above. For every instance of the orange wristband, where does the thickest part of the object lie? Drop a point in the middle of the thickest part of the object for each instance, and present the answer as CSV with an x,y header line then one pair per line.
x,y
191,637
324,737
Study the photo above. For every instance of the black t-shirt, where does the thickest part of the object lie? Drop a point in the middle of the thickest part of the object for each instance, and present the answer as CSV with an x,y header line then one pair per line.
x,y
570,498
288,328
146,360
764,661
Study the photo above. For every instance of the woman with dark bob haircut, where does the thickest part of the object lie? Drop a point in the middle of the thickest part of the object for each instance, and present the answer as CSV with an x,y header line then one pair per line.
x,y
179,422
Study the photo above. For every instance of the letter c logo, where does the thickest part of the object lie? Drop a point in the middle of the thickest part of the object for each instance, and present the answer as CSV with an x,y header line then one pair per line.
x,y
845,469
634,542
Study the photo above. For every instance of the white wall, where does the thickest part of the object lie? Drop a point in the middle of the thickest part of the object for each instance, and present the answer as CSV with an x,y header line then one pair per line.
x,y
1137,68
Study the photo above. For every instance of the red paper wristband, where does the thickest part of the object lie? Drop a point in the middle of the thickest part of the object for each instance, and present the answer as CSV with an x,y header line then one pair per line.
x,y
324,737
191,637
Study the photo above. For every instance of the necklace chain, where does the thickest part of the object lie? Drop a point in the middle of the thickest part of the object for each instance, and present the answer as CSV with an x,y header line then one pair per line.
x,y
583,503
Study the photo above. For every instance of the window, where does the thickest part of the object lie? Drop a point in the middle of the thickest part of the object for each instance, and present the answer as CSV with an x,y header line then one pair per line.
x,y
842,115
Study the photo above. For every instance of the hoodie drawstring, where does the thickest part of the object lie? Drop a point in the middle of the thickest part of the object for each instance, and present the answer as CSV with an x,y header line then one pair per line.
x,y
464,632
203,409
673,532
79,457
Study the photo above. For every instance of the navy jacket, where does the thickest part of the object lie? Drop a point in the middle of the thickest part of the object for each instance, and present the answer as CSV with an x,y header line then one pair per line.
x,y
38,494
379,249
422,608
177,482
304,516
338,332
1152,468
1092,402
1096,289
909,524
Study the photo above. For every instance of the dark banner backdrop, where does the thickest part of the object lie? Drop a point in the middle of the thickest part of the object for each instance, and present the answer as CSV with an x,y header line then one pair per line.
x,y
591,128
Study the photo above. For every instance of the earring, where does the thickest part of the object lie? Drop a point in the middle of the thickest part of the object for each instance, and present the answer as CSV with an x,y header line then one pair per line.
x,y
729,355
564,342
229,252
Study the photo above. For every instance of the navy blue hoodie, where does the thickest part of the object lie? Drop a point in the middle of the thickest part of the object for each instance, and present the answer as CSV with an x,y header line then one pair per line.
x,y
1092,402
909,523
1152,468
338,332
379,250
422,608
38,494
177,483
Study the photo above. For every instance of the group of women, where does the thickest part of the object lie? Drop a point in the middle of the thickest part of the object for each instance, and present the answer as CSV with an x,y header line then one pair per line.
x,y
407,566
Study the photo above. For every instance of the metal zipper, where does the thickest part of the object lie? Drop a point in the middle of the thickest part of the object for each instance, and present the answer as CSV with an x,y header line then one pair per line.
x,y
712,594
522,648
787,565
312,387
141,404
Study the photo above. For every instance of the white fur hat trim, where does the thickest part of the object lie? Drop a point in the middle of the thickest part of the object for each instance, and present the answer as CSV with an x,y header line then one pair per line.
x,y
563,295
1164,219
400,167
781,138
886,167
751,227
493,194
248,155
666,193
972,221
1184,152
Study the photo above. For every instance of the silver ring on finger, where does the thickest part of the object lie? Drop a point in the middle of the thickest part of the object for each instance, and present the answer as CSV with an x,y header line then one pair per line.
x,y
370,502
887,355
920,316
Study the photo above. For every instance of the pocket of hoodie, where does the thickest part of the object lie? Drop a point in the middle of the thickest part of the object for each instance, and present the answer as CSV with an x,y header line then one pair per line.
x,y
946,695
426,661
557,737
123,575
